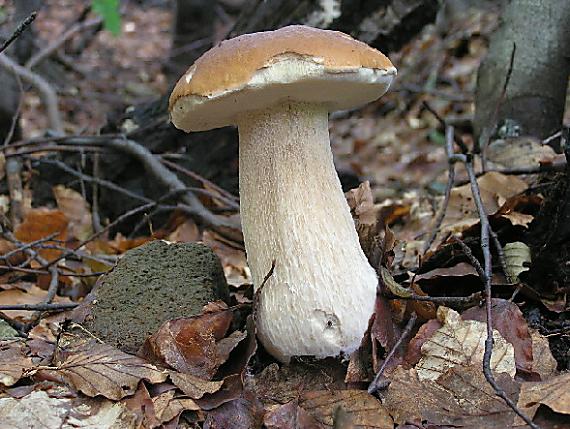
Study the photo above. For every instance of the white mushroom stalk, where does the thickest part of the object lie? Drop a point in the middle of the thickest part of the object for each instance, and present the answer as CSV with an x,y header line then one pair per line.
x,y
321,294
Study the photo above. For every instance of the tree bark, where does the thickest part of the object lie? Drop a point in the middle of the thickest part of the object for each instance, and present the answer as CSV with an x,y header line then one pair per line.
x,y
539,31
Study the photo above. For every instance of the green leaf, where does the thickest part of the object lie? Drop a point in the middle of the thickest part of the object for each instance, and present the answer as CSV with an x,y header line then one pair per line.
x,y
109,11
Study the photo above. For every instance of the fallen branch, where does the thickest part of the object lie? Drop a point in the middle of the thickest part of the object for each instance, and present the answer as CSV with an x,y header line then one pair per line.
x,y
378,383
45,90
39,307
19,30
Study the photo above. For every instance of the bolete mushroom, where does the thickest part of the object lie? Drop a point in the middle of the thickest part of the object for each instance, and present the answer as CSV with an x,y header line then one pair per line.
x,y
278,88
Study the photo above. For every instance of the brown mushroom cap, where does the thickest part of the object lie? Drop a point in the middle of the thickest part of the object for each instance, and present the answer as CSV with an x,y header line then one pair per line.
x,y
297,62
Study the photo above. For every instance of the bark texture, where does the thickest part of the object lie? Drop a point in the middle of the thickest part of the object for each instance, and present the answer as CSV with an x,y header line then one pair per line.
x,y
536,91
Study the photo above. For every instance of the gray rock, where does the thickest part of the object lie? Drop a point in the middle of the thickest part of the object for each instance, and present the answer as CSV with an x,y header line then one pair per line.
x,y
151,284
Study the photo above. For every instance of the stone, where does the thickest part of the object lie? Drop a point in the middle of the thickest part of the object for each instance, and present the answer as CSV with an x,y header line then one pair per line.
x,y
151,284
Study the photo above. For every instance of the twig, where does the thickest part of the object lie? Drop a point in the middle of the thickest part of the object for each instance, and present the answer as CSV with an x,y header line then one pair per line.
x,y
60,40
19,30
18,326
47,93
488,131
474,261
450,181
456,139
499,249
488,297
451,301
39,307
257,294
376,383
192,204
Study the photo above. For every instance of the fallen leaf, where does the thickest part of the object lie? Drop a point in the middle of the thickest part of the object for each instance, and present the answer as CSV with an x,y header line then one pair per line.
x,y
414,349
517,259
460,397
518,152
462,342
459,270
34,295
193,386
76,210
495,188
363,409
290,416
41,223
167,407
554,393
14,361
39,410
99,369
511,324
243,413
543,363
189,344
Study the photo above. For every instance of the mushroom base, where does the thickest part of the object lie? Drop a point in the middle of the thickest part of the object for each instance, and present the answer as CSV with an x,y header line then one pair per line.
x,y
322,292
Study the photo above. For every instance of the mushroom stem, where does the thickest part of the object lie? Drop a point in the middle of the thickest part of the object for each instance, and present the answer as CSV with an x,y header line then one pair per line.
x,y
322,291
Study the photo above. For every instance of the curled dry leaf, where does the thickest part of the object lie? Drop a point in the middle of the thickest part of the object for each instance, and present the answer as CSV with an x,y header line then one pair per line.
x,y
554,393
543,363
462,342
460,397
189,345
99,369
290,416
193,386
517,259
361,408
13,362
495,189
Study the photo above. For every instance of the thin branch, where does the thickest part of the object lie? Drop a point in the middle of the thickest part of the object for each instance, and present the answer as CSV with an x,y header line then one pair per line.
x,y
19,30
60,40
456,139
377,383
450,181
47,93
39,307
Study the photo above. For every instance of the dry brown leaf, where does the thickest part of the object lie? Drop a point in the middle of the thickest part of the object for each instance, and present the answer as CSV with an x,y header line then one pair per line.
x,y
193,386
243,413
495,189
363,409
543,363
13,362
41,223
232,257
99,369
38,410
34,295
189,344
186,232
554,393
76,210
167,407
290,416
459,270
460,397
511,324
518,152
462,342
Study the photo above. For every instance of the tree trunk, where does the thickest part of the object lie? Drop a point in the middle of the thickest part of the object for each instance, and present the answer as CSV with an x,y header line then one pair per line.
x,y
539,31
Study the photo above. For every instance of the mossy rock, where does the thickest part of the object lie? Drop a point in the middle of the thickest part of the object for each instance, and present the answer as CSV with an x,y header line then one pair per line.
x,y
151,284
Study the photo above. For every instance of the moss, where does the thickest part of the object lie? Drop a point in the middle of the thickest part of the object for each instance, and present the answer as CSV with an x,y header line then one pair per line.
x,y
151,284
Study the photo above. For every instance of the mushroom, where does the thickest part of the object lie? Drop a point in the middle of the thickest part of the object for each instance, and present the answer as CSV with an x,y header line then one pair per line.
x,y
278,88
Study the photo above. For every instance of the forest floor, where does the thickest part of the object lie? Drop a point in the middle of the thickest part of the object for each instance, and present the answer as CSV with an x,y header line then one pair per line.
x,y
52,376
